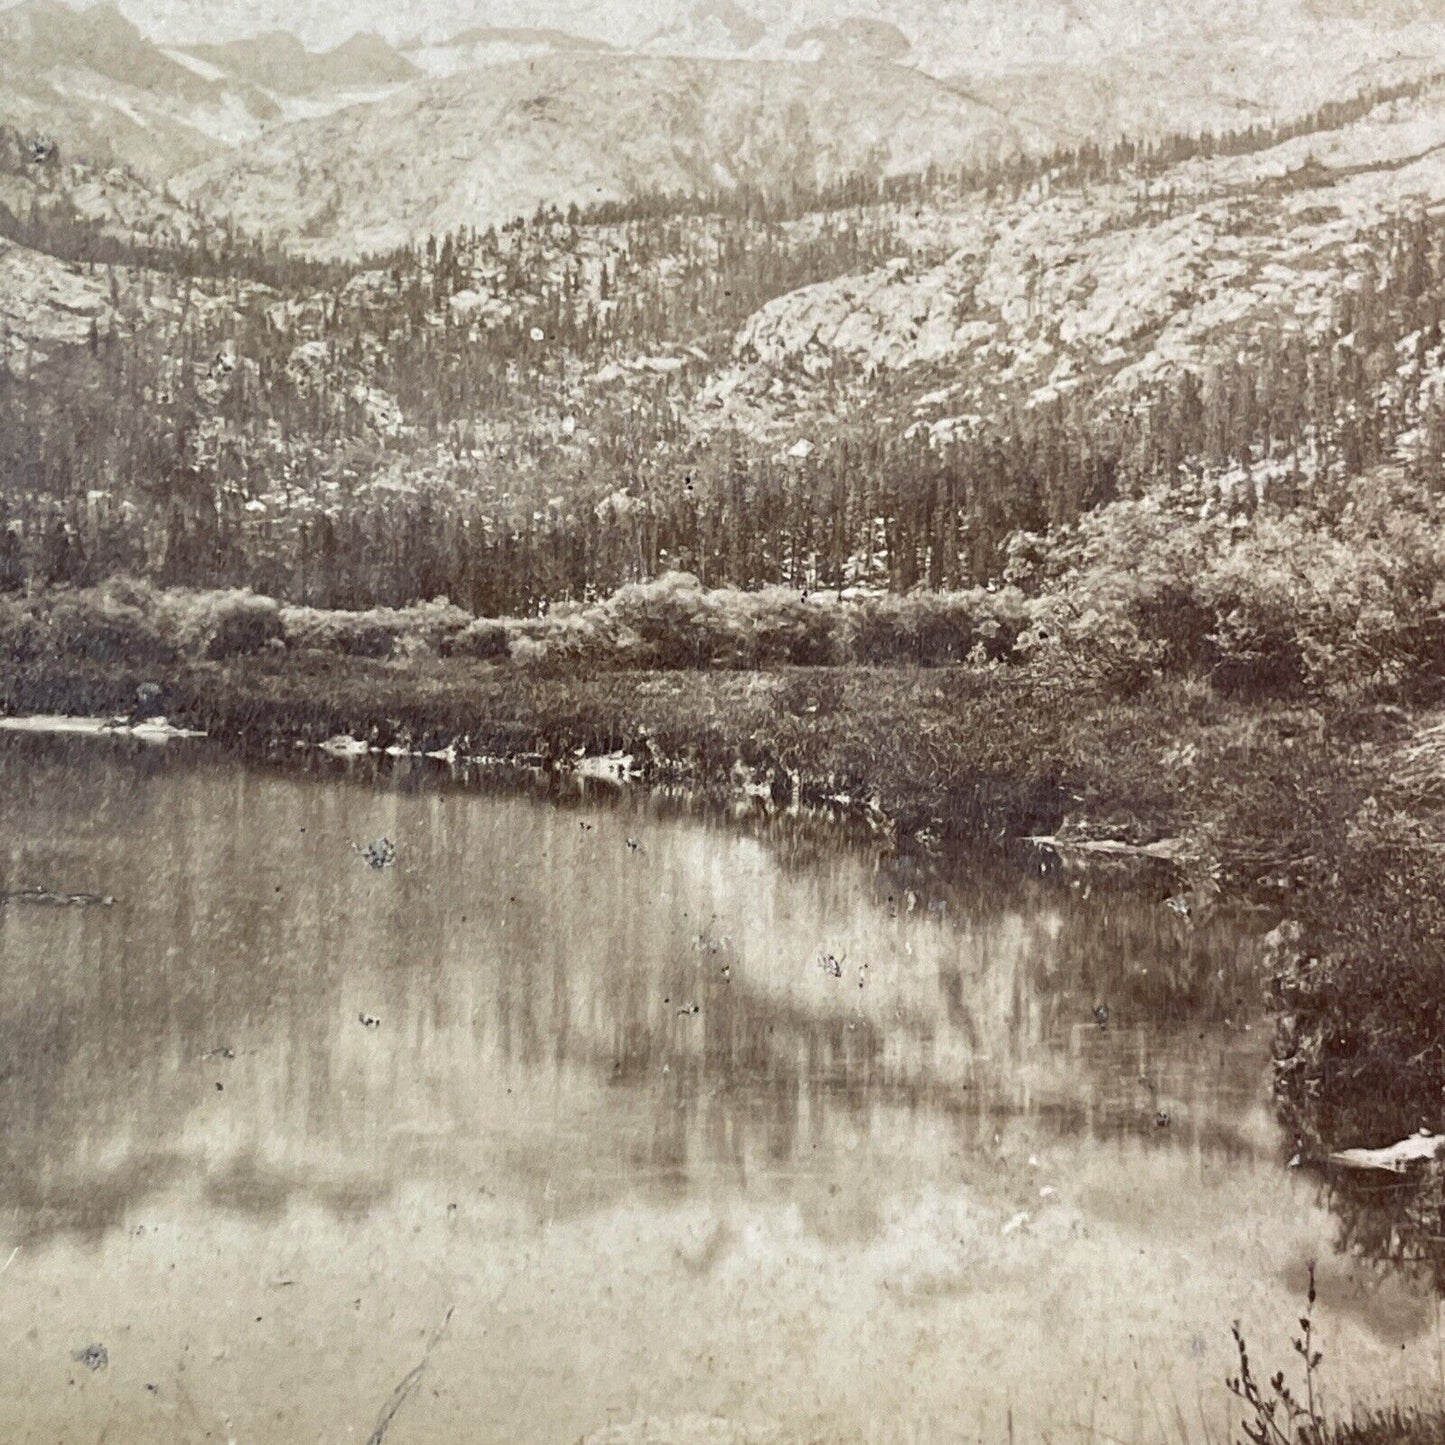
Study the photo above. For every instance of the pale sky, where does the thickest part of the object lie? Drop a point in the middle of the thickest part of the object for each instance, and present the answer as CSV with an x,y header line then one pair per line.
x,y
1018,31
329,21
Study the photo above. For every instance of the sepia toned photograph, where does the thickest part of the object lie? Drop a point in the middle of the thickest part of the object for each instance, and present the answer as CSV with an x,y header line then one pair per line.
x,y
722,722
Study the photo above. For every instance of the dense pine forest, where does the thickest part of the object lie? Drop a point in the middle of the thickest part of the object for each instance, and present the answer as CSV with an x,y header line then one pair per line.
x,y
515,418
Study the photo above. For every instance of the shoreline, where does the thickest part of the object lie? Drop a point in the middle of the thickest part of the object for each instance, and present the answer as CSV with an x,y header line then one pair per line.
x,y
1229,789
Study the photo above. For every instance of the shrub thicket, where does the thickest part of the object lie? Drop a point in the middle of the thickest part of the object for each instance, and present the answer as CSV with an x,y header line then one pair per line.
x,y
124,621
485,639
218,625
1273,602
381,632
674,622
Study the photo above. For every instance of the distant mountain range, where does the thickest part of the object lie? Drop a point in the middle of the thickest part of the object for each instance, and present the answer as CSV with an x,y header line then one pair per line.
x,y
90,80
944,36
483,146
387,134
278,61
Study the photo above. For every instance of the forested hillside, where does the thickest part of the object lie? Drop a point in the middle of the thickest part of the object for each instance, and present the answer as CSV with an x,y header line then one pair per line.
x,y
870,384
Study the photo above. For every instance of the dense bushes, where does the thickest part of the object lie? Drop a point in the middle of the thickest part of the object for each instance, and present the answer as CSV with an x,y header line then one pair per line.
x,y
484,639
218,625
679,623
1275,602
128,621
124,621
674,622
933,628
104,625
381,632
353,634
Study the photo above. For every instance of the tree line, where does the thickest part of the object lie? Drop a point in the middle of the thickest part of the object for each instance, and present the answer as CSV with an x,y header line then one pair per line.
x,y
241,437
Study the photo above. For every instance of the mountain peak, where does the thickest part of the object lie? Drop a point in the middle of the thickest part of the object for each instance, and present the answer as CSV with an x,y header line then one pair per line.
x,y
376,49
279,61
38,36
742,28
55,21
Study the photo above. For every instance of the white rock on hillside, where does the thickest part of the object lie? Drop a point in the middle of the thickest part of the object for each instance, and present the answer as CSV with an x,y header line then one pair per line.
x,y
45,303
1116,284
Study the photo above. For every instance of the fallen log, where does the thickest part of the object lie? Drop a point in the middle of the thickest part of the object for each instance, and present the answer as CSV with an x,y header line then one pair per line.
x,y
1419,1148
1167,850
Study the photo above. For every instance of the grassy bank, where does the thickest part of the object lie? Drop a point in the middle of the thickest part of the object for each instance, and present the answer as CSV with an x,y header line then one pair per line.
x,y
941,752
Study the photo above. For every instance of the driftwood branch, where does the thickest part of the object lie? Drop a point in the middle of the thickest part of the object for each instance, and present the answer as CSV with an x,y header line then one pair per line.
x,y
1168,850
1394,1158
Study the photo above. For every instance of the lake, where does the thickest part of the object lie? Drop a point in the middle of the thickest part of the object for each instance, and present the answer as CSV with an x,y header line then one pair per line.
x,y
613,1107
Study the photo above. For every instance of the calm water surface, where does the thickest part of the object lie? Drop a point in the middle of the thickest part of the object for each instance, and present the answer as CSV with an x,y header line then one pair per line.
x,y
620,1117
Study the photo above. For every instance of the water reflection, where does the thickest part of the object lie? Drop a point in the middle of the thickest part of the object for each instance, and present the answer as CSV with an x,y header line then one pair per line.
x,y
634,1049
530,948
1394,1222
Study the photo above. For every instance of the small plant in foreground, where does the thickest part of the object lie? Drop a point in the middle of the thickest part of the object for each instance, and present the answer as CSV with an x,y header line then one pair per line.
x,y
1280,1417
